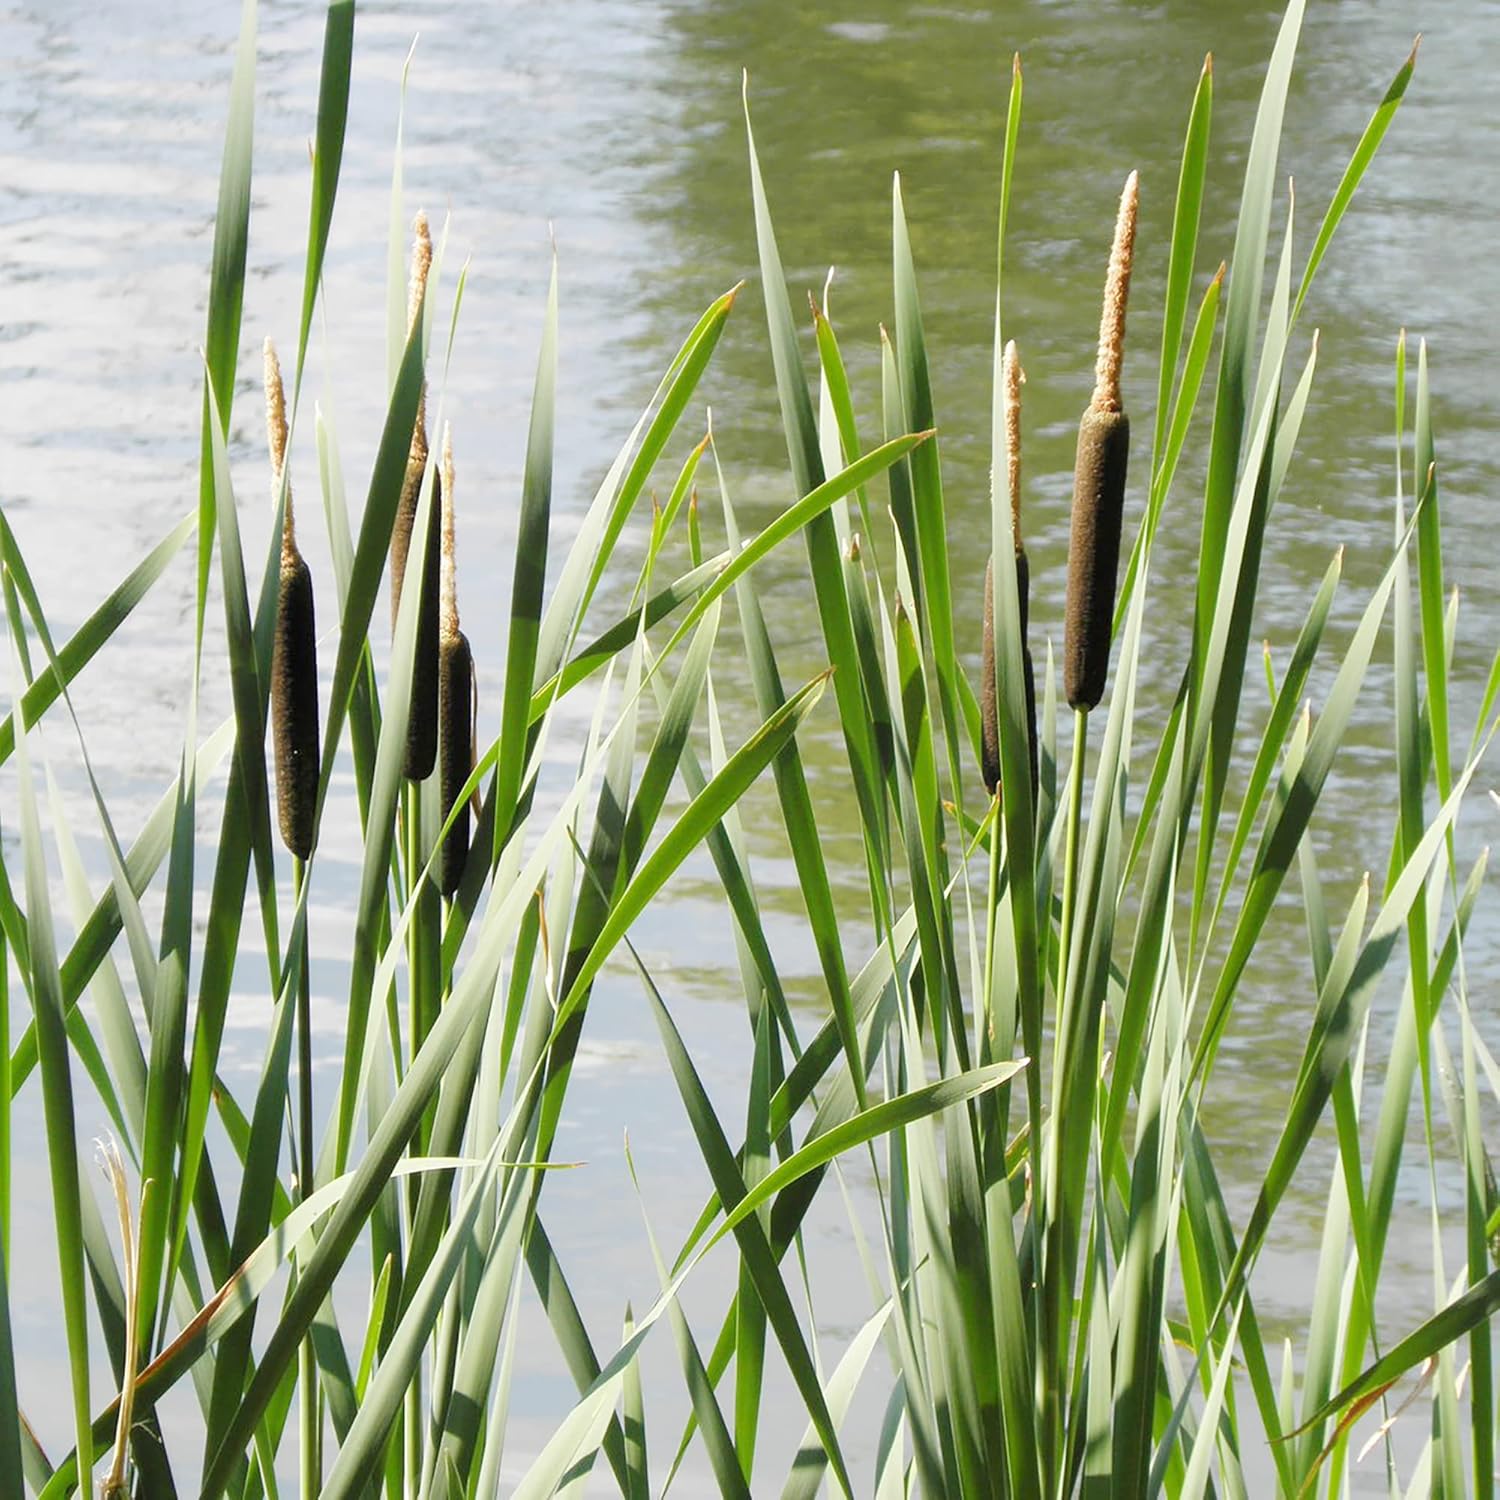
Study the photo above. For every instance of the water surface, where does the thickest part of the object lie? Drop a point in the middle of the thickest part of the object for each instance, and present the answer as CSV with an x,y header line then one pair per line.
x,y
618,125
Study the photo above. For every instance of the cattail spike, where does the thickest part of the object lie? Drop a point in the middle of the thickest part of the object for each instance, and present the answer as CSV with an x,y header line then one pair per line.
x,y
294,651
276,429
989,707
416,458
1013,378
1099,485
455,697
294,708
421,266
1094,553
422,719
276,441
1116,295
448,625
989,714
421,739
456,702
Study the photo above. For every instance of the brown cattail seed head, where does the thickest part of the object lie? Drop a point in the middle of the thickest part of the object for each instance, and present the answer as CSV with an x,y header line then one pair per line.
x,y
294,651
1099,484
421,730
1116,294
455,752
1094,553
989,709
1013,377
294,707
989,714
455,706
421,724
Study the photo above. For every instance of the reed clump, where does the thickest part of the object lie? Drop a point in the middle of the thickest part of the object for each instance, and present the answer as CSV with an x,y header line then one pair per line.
x,y
294,655
1099,485
421,724
455,716
1027,1056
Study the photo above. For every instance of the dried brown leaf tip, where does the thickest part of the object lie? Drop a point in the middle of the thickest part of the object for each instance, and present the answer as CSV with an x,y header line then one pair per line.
x,y
1099,485
294,651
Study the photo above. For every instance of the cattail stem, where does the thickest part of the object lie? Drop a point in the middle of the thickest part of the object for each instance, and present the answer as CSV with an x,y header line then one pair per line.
x,y
1070,856
1053,1331
116,1481
1099,485
294,731
310,1459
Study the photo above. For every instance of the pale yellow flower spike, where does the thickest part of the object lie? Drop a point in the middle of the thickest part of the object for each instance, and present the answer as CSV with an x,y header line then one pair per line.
x,y
276,440
449,621
421,265
1014,377
1116,293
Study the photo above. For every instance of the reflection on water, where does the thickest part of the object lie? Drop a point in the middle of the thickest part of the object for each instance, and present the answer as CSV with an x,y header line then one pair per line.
x,y
620,124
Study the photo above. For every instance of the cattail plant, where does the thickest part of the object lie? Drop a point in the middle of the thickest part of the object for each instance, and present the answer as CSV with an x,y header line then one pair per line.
x,y
455,717
1099,485
294,729
294,657
1013,377
421,724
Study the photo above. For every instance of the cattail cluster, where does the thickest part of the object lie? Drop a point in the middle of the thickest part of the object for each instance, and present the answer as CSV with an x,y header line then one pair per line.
x,y
1013,377
1099,486
421,724
455,715
294,655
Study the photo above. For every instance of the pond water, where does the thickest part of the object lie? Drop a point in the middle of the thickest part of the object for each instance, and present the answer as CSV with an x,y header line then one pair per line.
x,y
617,123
